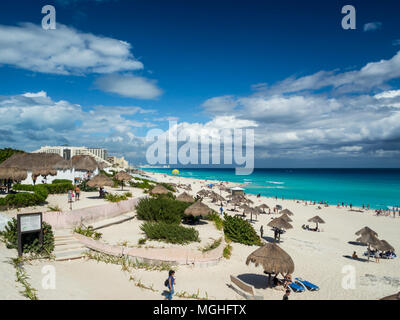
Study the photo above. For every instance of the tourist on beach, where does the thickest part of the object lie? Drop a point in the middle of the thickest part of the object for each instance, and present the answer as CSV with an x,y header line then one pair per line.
x,y
69,196
354,256
77,193
287,280
171,284
286,295
221,210
262,231
377,256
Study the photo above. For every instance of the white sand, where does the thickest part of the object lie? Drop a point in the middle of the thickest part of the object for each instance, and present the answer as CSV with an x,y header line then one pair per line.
x,y
318,257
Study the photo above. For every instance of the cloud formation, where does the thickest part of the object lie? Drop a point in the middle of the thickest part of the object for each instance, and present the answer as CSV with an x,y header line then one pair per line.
x,y
63,51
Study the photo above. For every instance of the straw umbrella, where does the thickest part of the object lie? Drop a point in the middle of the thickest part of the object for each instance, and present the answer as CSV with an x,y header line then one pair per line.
x,y
84,163
366,230
385,246
273,259
185,197
316,219
286,217
197,209
287,211
395,296
369,239
263,207
159,189
13,173
280,224
123,176
100,181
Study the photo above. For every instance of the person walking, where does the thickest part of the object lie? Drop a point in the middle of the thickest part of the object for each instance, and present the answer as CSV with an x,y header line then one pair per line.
x,y
171,284
221,210
286,295
69,196
77,193
262,231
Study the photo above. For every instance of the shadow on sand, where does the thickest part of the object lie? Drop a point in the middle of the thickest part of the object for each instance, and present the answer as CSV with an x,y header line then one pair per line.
x,y
355,243
258,281
358,259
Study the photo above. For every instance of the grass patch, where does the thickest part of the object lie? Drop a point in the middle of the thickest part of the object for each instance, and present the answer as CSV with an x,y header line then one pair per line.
x,y
215,244
88,232
184,294
240,231
22,278
227,251
171,233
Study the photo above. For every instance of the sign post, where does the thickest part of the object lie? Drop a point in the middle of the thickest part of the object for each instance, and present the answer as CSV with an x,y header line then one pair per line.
x,y
29,223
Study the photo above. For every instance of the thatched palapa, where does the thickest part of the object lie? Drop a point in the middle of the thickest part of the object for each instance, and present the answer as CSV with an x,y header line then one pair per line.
x,y
197,209
287,211
273,259
14,174
159,189
366,230
101,180
280,224
185,197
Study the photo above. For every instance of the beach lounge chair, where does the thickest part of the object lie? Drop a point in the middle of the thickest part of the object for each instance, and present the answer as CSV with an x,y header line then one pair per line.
x,y
308,285
296,287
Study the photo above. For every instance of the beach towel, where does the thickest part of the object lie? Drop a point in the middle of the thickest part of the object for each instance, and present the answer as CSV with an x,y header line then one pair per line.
x,y
308,285
296,288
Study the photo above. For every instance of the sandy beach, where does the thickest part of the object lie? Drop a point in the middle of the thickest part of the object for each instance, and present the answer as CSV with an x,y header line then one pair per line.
x,y
319,257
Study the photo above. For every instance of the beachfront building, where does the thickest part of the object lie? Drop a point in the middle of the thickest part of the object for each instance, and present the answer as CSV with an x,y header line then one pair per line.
x,y
68,152
46,167
237,190
120,163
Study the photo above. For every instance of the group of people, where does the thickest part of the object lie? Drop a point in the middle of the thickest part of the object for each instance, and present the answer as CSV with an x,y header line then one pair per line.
x,y
74,194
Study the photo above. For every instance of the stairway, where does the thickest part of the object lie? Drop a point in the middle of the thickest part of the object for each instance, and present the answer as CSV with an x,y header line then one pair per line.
x,y
68,248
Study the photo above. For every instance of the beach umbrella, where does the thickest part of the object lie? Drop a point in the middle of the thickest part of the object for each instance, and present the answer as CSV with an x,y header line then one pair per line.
x,y
287,211
286,217
366,230
123,176
203,192
159,189
370,240
395,296
185,197
384,246
84,163
197,209
263,207
280,223
316,220
13,173
272,258
100,180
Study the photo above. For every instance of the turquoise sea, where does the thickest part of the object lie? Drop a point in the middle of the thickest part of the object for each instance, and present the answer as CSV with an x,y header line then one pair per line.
x,y
377,187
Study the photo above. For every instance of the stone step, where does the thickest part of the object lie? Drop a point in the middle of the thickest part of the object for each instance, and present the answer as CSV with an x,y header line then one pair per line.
x,y
70,254
67,247
112,221
65,241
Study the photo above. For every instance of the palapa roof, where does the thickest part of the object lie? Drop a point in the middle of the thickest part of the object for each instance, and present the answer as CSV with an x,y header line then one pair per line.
x,y
263,206
197,209
287,211
100,180
384,246
316,219
123,176
185,197
159,189
395,296
286,217
13,174
31,161
84,163
370,239
203,192
280,223
273,259
366,230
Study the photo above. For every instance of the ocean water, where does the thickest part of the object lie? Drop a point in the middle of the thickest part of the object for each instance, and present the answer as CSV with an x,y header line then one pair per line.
x,y
377,187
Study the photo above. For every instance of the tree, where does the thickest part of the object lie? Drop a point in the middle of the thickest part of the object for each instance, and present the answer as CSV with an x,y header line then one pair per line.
x,y
7,153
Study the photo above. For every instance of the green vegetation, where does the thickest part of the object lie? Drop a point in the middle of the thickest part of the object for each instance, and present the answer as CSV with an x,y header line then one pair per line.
x,y
55,208
56,181
184,294
28,292
84,187
216,218
161,210
7,153
215,244
171,233
125,262
30,240
142,184
118,197
227,251
241,231
54,188
88,232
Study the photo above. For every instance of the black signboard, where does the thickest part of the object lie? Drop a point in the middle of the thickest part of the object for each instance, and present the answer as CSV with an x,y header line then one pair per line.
x,y
29,223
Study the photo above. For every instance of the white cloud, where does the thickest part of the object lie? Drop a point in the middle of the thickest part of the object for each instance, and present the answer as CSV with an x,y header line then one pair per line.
x,y
388,94
63,51
372,26
129,86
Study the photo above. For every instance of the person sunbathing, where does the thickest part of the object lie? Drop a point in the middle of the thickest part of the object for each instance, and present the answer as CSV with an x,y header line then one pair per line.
x,y
287,280
354,255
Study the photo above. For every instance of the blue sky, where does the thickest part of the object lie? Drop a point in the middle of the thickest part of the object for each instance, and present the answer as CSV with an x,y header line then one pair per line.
x,y
316,95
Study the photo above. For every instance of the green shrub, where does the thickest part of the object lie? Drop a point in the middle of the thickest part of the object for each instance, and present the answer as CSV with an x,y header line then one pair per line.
x,y
30,240
161,210
171,233
84,187
142,184
88,232
56,181
213,245
116,197
216,218
241,231
227,251
55,188
23,199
